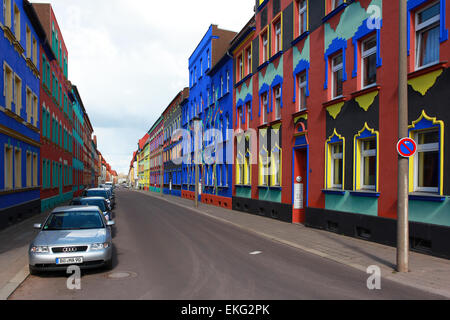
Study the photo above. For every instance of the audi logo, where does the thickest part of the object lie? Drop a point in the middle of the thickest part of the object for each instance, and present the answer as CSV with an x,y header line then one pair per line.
x,y
72,249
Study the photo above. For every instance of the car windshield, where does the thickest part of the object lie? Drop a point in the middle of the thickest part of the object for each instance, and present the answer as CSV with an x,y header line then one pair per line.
x,y
97,193
99,203
74,221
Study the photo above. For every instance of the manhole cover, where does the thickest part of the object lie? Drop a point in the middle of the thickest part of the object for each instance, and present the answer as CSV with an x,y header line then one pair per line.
x,y
121,275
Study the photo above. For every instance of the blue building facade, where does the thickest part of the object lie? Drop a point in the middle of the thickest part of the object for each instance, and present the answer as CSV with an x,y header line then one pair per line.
x,y
211,100
19,112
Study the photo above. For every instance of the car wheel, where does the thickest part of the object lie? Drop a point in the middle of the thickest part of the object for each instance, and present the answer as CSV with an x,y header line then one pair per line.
x,y
33,271
109,264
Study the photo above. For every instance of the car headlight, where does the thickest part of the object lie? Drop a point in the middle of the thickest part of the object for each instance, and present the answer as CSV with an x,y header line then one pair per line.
x,y
39,249
99,246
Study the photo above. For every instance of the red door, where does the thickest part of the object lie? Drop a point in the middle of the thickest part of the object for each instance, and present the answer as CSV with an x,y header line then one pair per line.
x,y
299,186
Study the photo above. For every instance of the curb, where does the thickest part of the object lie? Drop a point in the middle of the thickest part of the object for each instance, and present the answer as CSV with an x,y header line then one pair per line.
x,y
359,267
14,283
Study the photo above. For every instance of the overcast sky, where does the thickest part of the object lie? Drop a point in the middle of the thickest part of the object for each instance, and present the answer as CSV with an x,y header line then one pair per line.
x,y
129,58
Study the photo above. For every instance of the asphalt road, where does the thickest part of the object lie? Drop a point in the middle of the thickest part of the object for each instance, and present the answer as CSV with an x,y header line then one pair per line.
x,y
172,253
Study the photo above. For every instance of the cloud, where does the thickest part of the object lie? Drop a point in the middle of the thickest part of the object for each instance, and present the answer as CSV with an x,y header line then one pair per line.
x,y
130,58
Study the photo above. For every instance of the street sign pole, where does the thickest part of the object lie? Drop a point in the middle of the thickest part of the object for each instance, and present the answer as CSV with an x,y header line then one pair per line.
x,y
403,163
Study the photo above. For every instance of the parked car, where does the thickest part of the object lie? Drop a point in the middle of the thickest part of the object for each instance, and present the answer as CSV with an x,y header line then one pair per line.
x,y
100,202
100,192
72,236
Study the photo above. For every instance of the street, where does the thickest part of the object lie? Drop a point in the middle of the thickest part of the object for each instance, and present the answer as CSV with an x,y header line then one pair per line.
x,y
163,251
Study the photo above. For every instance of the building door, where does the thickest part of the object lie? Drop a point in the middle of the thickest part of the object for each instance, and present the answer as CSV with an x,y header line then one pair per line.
x,y
300,184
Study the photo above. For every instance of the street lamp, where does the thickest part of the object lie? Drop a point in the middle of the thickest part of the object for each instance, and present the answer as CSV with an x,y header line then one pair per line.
x,y
197,159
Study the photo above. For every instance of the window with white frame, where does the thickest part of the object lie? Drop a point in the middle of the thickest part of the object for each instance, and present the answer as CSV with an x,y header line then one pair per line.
x,y
241,68
277,36
337,69
264,104
277,98
240,118
302,15
249,61
369,62
265,47
228,81
301,80
427,35
368,164
337,158
426,166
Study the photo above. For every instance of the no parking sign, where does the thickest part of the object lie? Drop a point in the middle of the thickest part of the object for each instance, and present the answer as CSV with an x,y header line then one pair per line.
x,y
407,147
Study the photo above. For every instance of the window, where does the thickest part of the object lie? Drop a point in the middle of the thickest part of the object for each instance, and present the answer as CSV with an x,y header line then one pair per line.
x,y
18,94
302,16
7,12
29,105
277,95
35,170
337,67
249,61
17,23
277,36
264,108
248,168
427,36
427,162
34,48
8,168
35,109
29,178
301,80
368,164
18,169
265,47
201,67
221,86
240,118
240,68
337,156
228,81
336,3
369,62
28,32
8,85
248,106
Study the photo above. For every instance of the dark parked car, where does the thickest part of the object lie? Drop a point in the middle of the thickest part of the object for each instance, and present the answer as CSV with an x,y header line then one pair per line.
x,y
99,192
100,202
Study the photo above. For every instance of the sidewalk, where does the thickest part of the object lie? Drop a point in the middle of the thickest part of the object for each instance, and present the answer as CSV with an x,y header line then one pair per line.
x,y
14,242
428,273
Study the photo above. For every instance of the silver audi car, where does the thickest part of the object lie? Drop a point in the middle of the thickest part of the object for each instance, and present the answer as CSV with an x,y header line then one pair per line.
x,y
77,235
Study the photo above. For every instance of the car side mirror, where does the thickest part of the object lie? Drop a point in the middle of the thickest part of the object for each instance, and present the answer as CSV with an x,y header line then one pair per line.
x,y
111,223
37,226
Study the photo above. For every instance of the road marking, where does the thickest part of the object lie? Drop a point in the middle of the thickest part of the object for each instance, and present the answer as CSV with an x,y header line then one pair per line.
x,y
254,253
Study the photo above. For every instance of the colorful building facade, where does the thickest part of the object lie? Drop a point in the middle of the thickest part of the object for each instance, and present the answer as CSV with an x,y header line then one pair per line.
x,y
209,102
173,147
20,122
156,148
57,114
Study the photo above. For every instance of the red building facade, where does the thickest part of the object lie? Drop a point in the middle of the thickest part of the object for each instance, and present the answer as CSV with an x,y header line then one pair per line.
x,y
56,114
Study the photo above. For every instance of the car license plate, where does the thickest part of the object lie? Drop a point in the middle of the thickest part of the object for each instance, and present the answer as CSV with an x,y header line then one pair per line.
x,y
75,260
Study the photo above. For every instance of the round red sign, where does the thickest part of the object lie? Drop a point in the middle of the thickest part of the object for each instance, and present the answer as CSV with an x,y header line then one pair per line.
x,y
407,147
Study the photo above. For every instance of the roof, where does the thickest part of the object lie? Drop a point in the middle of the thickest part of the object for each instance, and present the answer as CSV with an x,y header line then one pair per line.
x,y
143,141
76,209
